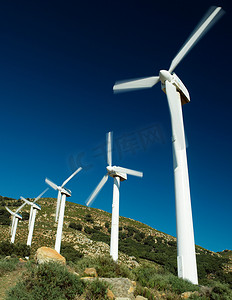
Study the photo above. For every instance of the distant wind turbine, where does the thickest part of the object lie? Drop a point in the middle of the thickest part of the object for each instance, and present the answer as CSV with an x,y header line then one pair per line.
x,y
60,208
33,211
15,218
177,94
119,174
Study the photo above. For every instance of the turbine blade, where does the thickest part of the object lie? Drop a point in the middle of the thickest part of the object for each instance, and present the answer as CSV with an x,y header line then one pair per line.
x,y
10,211
174,103
70,177
128,171
135,84
89,201
58,205
52,184
40,195
20,207
206,23
109,142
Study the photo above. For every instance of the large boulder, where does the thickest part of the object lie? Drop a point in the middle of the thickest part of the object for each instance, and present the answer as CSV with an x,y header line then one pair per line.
x,y
46,254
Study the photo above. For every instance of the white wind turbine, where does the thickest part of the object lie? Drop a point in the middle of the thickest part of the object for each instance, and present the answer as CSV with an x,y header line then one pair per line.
x,y
119,174
60,208
15,218
33,211
177,94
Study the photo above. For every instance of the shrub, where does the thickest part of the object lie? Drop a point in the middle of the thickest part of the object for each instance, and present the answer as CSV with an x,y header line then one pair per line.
x,y
88,230
96,290
70,253
4,217
220,291
25,216
20,250
75,226
48,281
88,218
100,237
8,265
105,267
107,224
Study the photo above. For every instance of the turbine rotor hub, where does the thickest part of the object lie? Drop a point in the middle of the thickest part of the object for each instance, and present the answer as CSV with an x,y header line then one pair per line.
x,y
165,75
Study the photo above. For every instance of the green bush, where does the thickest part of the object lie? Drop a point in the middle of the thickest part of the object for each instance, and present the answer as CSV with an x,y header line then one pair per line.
x,y
75,226
20,250
89,230
70,253
220,291
96,290
151,278
100,237
25,216
88,218
8,265
4,217
47,281
107,224
105,267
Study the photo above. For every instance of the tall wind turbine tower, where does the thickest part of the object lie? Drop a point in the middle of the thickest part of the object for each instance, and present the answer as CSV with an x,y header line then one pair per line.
x,y
177,94
119,174
63,192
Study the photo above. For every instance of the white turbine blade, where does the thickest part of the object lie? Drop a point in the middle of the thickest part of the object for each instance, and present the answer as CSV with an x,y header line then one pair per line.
x,y
109,142
174,103
10,211
128,171
58,205
52,184
135,84
25,202
97,190
70,177
40,195
206,23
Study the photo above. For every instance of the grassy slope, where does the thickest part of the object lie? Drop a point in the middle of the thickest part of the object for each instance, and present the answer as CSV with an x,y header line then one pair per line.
x,y
161,248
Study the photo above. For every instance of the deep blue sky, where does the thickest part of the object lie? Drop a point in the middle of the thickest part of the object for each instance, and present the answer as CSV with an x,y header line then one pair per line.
x,y
58,63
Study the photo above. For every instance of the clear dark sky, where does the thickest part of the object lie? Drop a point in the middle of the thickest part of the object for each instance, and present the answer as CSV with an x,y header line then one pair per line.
x,y
58,63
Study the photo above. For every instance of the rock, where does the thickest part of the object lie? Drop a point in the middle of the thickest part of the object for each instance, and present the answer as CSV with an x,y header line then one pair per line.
x,y
110,294
132,287
186,295
140,298
46,254
91,272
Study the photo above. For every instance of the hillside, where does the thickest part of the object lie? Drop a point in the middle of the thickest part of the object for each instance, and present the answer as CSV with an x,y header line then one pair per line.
x,y
88,231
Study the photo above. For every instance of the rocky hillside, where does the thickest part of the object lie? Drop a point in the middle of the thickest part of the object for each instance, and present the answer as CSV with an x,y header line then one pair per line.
x,y
88,231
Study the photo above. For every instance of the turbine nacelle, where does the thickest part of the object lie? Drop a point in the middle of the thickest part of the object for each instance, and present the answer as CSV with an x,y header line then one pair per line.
x,y
65,191
113,173
165,75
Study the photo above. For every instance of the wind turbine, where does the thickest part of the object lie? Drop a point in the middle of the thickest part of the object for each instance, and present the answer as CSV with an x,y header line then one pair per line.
x,y
60,208
177,94
15,218
119,174
60,189
33,211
